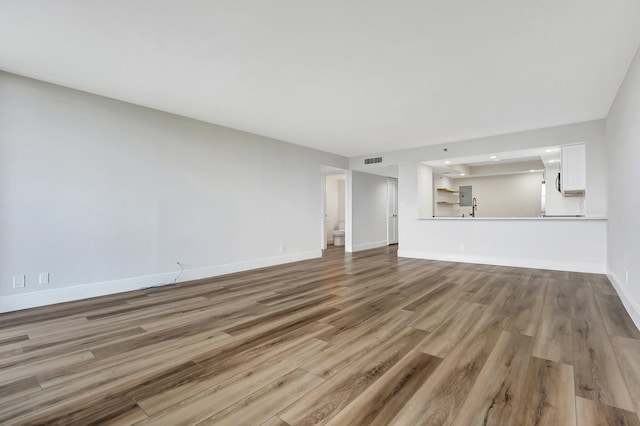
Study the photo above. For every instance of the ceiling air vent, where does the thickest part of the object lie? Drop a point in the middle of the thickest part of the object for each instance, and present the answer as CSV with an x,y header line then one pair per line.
x,y
373,160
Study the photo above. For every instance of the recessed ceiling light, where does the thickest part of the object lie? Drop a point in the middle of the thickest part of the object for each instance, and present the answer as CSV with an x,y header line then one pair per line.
x,y
552,150
461,174
447,162
532,171
493,157
553,161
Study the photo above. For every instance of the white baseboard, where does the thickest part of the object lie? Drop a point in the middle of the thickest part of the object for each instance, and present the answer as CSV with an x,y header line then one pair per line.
x,y
632,306
367,246
67,294
556,265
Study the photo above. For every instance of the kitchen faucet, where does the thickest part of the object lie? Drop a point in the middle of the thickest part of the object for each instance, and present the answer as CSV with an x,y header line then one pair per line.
x,y
474,207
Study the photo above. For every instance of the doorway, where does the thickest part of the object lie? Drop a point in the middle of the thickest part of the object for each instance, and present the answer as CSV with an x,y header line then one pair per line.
x,y
333,207
392,211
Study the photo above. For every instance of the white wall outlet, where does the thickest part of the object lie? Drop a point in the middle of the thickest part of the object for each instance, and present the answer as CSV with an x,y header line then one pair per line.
x,y
43,278
461,247
626,277
19,281
283,248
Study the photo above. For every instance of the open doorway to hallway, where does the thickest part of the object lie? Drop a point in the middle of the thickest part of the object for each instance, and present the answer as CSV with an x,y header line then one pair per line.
x,y
374,207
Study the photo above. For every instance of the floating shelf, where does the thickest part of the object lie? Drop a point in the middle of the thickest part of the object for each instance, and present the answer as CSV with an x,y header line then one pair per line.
x,y
448,190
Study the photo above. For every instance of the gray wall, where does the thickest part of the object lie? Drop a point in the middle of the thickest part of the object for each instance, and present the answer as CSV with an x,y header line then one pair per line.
x,y
623,201
96,190
369,209
516,195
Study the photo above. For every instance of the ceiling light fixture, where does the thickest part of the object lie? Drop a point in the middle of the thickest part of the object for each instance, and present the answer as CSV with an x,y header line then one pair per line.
x,y
447,162
493,157
552,150
461,174
553,161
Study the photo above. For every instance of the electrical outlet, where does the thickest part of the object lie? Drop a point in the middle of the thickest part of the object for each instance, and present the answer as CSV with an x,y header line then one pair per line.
x,y
461,247
19,281
43,278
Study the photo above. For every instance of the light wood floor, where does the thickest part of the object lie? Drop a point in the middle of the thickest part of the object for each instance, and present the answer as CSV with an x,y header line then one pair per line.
x,y
363,339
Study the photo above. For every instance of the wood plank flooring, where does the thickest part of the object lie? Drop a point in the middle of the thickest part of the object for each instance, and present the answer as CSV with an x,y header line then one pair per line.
x,y
348,339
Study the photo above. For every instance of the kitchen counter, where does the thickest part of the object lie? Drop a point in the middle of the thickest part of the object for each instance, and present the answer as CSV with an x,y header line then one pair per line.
x,y
560,243
545,218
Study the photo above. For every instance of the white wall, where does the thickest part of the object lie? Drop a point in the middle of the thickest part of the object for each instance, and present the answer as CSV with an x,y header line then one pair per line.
x,y
418,237
425,191
623,142
108,196
369,210
512,195
516,195
559,244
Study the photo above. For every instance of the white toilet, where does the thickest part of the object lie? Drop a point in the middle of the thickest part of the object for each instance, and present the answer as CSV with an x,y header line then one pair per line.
x,y
338,234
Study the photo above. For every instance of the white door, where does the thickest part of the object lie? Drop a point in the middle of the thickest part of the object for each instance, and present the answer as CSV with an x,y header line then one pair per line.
x,y
392,211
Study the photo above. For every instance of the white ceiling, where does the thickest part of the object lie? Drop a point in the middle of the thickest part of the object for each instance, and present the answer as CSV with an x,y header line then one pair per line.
x,y
544,154
498,162
349,77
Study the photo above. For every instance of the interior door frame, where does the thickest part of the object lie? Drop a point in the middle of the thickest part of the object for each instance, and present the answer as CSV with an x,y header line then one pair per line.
x,y
323,212
392,182
323,204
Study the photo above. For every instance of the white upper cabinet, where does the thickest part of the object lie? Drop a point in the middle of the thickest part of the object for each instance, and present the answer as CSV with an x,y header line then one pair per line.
x,y
573,171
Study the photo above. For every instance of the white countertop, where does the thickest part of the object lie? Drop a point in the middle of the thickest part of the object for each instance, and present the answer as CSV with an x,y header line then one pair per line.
x,y
545,218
